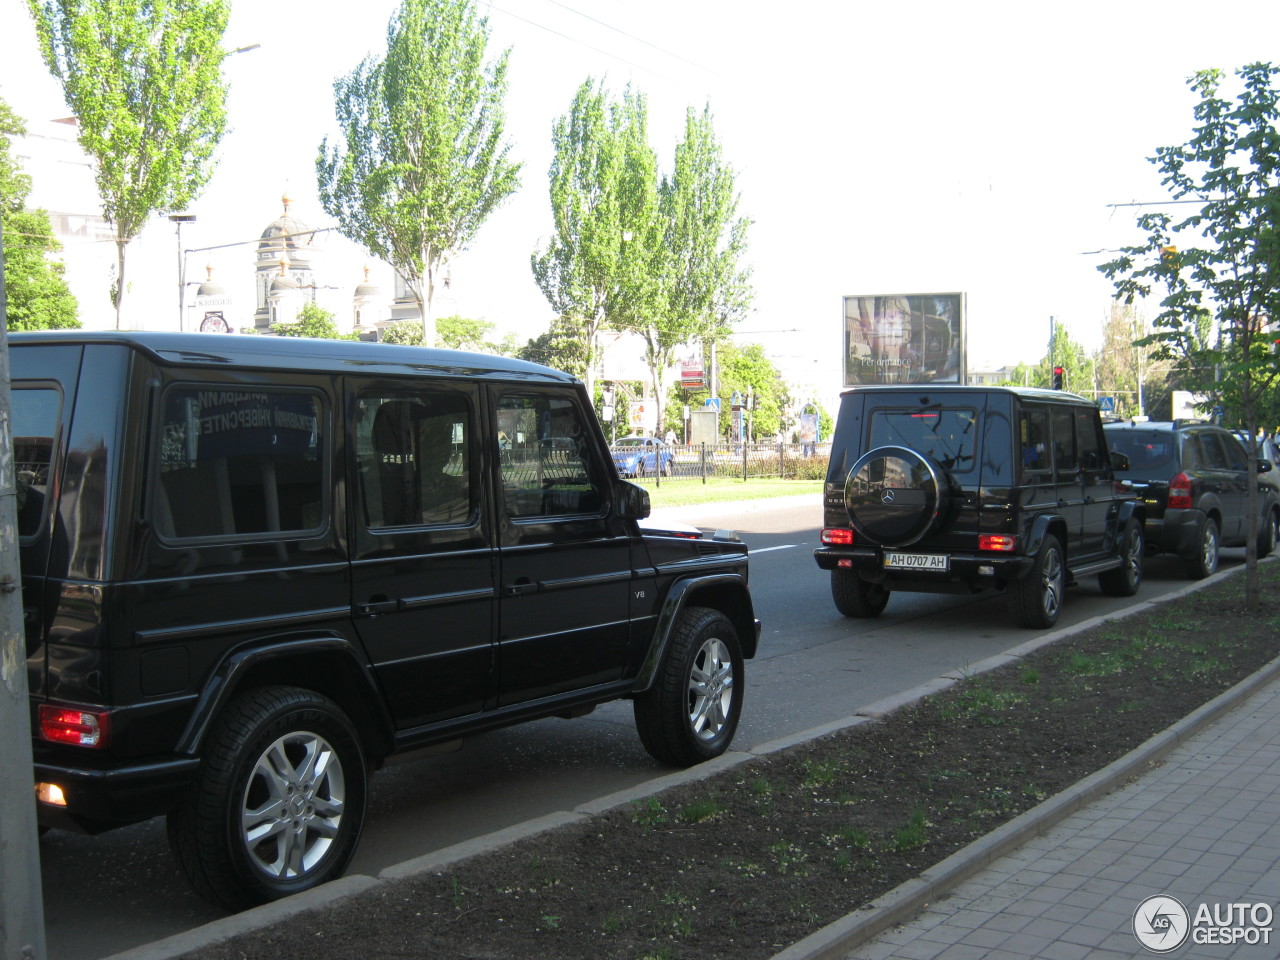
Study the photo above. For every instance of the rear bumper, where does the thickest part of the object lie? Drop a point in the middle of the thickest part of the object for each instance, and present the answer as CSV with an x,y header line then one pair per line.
x,y
100,796
972,570
1177,531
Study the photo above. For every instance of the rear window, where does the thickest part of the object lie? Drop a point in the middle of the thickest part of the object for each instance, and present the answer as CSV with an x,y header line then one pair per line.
x,y
948,435
1147,450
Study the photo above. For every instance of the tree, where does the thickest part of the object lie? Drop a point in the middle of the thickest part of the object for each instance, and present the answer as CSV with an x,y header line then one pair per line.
x,y
1220,265
313,321
701,285
36,295
562,347
603,183
143,78
1126,368
748,371
422,161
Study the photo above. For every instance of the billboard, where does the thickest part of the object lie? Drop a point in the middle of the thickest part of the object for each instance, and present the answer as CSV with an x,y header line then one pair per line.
x,y
904,338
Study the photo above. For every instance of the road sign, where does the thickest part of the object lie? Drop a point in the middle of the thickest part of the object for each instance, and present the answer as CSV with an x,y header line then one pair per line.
x,y
713,403
1106,404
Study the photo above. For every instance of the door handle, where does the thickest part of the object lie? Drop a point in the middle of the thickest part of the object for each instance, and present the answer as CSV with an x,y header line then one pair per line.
x,y
519,589
375,607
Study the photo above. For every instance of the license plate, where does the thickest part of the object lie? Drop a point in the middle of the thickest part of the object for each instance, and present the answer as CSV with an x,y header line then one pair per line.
x,y
931,562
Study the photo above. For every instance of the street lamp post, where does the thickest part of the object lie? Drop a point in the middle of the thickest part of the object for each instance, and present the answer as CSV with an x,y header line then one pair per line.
x,y
179,219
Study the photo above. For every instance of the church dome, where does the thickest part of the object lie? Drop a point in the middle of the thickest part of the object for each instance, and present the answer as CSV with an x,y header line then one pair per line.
x,y
283,281
367,289
286,234
209,288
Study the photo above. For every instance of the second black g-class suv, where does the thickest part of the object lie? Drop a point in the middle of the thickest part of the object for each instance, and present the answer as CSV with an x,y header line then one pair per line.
x,y
253,568
957,489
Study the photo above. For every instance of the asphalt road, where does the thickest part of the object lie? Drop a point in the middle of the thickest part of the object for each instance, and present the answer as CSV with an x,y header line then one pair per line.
x,y
108,893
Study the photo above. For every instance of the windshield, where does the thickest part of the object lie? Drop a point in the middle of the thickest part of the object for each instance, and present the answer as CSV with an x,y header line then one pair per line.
x,y
947,435
631,442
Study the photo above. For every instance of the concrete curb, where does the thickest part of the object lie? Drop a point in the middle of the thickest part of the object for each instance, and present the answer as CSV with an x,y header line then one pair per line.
x,y
836,939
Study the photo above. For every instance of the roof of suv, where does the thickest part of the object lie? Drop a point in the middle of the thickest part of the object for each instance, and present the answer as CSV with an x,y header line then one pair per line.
x,y
1159,424
301,353
942,389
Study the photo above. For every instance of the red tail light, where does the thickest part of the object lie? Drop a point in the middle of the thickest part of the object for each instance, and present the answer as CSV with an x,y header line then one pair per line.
x,y
838,537
81,728
1180,492
996,541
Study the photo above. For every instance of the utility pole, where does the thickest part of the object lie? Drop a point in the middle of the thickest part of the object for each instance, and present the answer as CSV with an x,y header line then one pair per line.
x,y
21,902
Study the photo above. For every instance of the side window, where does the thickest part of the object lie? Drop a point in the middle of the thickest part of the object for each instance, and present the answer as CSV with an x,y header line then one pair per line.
x,y
1064,440
1191,456
34,415
1211,451
1090,443
236,463
1033,440
413,456
1237,456
545,458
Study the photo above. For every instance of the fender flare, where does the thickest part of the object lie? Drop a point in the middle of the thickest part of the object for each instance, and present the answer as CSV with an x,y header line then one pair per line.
x,y
1040,529
227,680
684,593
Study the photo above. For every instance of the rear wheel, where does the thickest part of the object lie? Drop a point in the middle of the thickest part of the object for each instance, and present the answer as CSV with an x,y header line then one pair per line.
x,y
1037,597
1269,535
856,597
278,803
690,714
1125,579
1204,561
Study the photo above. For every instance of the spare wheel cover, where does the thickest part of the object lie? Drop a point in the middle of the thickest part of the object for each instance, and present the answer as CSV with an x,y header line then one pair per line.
x,y
893,496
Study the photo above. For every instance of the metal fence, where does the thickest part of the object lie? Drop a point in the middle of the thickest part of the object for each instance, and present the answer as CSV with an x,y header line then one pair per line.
x,y
742,461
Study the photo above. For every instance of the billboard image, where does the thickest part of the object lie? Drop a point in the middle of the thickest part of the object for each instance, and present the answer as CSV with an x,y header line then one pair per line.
x,y
904,338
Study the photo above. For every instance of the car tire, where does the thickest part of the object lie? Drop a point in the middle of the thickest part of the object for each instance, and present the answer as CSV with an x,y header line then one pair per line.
x,y
690,714
278,803
855,597
1125,580
1204,561
1269,535
1037,597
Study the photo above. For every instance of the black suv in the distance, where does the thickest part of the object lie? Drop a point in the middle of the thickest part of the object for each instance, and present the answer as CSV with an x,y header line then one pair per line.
x,y
947,489
254,568
1193,480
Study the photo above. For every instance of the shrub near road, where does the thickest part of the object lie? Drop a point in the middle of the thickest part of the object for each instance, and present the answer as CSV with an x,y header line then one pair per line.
x,y
760,856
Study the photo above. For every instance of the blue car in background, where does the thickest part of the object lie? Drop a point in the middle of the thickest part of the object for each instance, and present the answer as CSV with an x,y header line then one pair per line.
x,y
637,456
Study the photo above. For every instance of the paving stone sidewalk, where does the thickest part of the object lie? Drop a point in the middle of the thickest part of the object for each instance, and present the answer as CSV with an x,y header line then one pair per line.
x,y
1202,826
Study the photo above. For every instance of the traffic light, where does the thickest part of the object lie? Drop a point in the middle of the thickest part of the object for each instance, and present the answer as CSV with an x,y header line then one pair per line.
x,y
1057,378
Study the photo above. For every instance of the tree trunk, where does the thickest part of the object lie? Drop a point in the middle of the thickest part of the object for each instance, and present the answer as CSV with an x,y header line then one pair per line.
x,y
120,284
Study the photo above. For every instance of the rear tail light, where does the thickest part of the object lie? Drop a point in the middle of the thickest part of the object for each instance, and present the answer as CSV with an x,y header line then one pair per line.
x,y
997,541
1180,492
838,537
78,727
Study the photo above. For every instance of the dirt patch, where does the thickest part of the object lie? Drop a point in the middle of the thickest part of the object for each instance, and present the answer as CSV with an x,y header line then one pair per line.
x,y
745,863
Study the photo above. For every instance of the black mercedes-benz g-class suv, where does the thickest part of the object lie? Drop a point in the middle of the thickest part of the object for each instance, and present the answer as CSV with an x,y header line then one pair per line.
x,y
255,567
957,489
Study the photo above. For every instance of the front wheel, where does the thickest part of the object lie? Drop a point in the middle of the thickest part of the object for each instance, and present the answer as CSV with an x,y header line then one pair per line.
x,y
278,803
1125,579
1037,597
690,714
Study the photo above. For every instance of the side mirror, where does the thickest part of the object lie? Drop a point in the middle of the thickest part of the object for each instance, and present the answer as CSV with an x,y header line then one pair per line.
x,y
632,500
1264,466
1119,461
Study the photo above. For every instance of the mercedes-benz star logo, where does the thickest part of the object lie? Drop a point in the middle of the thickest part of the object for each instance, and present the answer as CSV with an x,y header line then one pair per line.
x,y
886,496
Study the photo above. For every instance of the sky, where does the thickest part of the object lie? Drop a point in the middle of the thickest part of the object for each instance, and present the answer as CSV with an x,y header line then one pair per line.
x,y
904,147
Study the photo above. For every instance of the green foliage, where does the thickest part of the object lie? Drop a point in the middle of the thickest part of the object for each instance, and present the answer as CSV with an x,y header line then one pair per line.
x,y
421,163
143,78
313,321
563,347
603,193
36,296
1217,271
749,371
